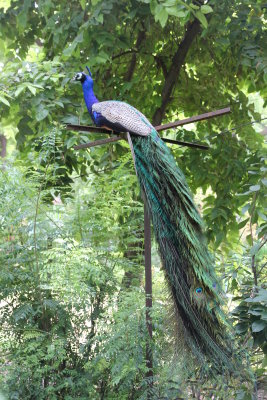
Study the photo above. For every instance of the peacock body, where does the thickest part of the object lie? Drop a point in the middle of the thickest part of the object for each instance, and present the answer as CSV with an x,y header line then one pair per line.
x,y
178,229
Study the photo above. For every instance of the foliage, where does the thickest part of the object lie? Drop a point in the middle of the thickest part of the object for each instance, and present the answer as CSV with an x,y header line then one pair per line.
x,y
71,277
59,282
63,311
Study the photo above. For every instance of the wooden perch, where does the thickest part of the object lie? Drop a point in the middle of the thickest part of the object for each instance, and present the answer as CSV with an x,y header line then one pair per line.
x,y
117,138
159,128
97,142
87,128
187,144
196,118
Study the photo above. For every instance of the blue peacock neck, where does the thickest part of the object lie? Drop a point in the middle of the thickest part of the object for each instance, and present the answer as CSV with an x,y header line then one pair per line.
x,y
89,96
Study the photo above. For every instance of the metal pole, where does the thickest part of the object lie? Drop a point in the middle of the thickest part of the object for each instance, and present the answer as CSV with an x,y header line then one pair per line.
x,y
148,290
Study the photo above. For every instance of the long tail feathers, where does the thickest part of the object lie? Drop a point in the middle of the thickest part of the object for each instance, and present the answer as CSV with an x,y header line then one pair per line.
x,y
186,261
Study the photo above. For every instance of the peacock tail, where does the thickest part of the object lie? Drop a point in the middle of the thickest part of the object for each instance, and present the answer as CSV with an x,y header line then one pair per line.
x,y
187,264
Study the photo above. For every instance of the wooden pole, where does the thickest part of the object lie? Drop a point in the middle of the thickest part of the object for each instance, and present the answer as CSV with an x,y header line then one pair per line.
x,y
148,291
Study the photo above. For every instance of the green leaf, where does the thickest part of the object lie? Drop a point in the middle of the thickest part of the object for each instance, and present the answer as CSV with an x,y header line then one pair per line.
x,y
100,18
245,208
79,38
22,17
254,188
5,101
205,9
176,12
243,223
194,6
260,297
170,3
32,89
161,15
201,17
36,85
20,89
59,103
263,216
22,20
71,141
258,326
254,249
264,315
42,114
254,312
83,4
241,327
70,49
242,395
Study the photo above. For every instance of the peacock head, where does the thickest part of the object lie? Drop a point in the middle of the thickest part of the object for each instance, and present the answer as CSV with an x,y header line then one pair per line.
x,y
84,79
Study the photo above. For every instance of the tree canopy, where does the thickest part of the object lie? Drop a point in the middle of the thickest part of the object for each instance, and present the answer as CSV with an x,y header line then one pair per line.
x,y
71,222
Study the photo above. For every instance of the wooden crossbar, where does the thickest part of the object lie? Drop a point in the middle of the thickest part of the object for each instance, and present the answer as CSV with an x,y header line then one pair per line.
x,y
98,142
159,128
196,118
117,138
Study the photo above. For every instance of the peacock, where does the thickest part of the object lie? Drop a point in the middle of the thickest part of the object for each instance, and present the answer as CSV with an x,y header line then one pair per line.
x,y
178,229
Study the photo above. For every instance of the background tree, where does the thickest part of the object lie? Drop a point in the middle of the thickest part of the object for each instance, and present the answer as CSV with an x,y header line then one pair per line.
x,y
169,59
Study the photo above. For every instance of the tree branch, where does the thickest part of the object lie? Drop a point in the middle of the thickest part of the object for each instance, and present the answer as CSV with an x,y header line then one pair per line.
x,y
162,65
123,53
177,61
140,38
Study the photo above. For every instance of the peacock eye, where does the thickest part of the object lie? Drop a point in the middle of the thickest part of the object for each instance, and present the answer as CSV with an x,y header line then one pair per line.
x,y
78,76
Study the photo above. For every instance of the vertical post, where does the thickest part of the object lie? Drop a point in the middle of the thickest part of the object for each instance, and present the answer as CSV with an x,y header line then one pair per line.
x,y
148,290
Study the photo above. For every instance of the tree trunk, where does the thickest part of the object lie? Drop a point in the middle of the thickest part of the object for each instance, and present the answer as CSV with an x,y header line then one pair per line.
x,y
3,142
172,76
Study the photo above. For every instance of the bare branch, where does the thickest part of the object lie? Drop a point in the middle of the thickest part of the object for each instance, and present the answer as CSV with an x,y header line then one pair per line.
x,y
123,53
162,65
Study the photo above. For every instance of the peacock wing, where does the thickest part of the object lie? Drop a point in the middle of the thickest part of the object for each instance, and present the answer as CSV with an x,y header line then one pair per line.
x,y
124,115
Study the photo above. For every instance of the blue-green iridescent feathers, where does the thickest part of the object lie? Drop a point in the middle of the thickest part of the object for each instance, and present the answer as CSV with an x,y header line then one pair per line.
x,y
188,266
